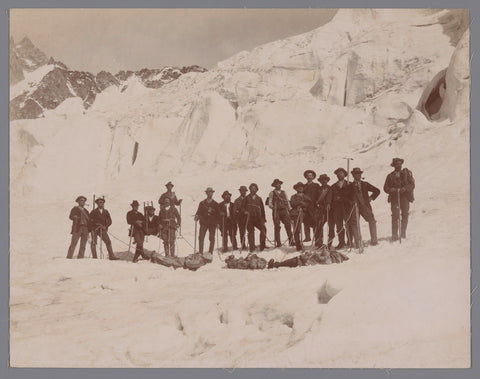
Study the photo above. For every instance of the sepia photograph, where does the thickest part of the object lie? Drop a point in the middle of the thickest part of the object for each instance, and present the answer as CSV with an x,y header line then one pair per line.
x,y
239,188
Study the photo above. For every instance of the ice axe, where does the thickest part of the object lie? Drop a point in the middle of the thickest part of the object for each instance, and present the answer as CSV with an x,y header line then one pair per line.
x,y
398,218
348,167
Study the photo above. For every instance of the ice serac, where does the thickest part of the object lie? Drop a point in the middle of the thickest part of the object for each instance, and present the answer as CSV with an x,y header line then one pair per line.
x,y
448,93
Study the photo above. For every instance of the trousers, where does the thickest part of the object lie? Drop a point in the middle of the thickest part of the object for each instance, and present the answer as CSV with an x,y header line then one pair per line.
x,y
103,237
282,215
228,230
211,237
403,209
260,225
82,235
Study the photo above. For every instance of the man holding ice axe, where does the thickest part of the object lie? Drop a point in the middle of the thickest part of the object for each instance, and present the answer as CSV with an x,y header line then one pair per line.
x,y
399,185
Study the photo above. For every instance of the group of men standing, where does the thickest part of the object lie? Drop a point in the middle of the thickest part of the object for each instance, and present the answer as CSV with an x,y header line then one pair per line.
x,y
313,205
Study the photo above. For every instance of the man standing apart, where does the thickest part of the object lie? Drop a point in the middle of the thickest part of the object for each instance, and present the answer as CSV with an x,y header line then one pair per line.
x,y
80,227
240,217
255,211
101,220
208,215
169,222
137,229
312,190
280,206
399,185
360,190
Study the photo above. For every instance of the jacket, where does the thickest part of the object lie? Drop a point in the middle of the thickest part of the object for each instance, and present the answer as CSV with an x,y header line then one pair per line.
x,y
339,194
237,208
404,180
278,200
171,196
207,212
324,197
254,207
222,209
98,218
152,226
362,194
82,218
169,217
132,218
299,200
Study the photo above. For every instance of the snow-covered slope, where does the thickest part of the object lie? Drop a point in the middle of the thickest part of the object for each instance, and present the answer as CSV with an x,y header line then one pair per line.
x,y
355,87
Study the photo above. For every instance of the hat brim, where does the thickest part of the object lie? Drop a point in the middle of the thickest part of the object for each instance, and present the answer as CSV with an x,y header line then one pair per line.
x,y
340,170
310,172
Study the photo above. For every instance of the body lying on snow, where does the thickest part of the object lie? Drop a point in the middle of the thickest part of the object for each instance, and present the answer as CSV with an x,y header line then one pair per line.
x,y
338,206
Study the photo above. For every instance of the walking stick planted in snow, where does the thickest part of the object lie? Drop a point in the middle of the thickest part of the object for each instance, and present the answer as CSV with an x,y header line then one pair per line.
x,y
146,221
224,237
101,239
180,226
399,227
348,168
195,239
359,232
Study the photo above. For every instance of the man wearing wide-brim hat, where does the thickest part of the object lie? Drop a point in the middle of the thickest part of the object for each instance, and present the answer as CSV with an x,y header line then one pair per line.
x,y
323,203
340,206
300,203
360,194
81,226
101,221
137,224
399,184
228,226
208,216
239,216
170,194
312,190
280,205
254,209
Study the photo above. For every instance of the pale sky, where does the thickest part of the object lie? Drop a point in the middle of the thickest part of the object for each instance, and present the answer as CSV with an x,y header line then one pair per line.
x,y
120,39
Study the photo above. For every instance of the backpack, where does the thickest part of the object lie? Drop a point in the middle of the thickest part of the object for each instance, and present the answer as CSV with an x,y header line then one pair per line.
x,y
194,261
408,178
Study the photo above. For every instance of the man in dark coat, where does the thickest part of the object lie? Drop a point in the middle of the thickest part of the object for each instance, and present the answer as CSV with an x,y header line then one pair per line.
x,y
137,230
312,190
228,227
359,193
81,226
280,206
152,222
300,204
101,220
340,206
169,223
208,215
239,216
169,194
253,207
323,203
399,184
